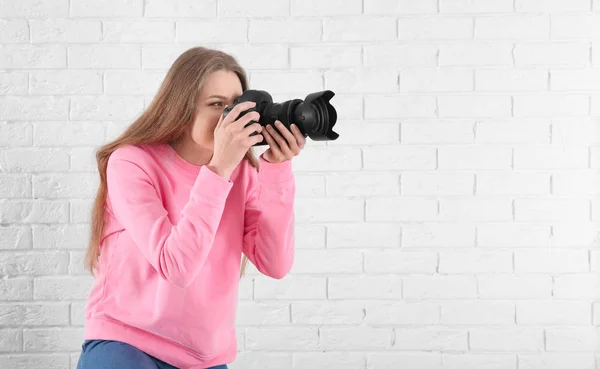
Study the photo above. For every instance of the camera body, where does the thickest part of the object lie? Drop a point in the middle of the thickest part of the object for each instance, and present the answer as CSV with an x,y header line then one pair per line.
x,y
314,116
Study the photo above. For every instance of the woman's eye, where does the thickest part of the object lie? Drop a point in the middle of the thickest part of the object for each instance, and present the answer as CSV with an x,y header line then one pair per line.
x,y
218,103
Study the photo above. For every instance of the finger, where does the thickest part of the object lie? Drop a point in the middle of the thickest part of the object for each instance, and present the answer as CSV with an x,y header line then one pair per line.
x,y
283,145
254,127
235,112
273,146
300,139
289,136
241,123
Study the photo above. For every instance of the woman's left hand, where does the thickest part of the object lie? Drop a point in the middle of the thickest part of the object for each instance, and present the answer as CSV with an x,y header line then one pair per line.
x,y
282,146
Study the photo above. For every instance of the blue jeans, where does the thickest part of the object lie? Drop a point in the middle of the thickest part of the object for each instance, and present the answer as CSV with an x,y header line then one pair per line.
x,y
102,354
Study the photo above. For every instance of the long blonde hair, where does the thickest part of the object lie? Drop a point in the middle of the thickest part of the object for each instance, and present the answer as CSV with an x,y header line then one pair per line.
x,y
164,121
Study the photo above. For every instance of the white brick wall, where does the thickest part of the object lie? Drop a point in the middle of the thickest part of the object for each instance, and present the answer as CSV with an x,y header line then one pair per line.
x,y
452,226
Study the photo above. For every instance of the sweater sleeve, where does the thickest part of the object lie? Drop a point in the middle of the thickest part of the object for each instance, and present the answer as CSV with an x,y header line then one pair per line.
x,y
269,219
176,251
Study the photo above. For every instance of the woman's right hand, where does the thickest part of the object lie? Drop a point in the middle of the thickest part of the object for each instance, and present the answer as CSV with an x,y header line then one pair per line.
x,y
232,139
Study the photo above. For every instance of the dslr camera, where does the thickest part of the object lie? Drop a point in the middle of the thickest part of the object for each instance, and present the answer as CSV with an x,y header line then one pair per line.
x,y
314,116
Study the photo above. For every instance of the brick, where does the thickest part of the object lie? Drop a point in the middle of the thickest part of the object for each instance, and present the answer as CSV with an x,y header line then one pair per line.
x,y
327,262
582,286
325,56
310,236
573,26
355,338
51,339
439,287
16,289
14,56
34,160
552,210
568,339
574,131
511,183
16,134
391,106
550,312
506,339
552,6
223,30
14,31
476,6
15,238
513,235
145,83
510,286
362,184
361,80
436,131
551,261
35,361
475,262
479,360
15,186
477,157
360,29
11,340
575,183
323,9
395,209
463,54
400,262
124,32
67,134
180,9
438,235
13,83
511,80
363,235
33,211
330,209
80,210
35,9
34,314
398,56
61,287
477,313
575,54
574,79
399,158
291,288
253,8
545,157
65,82
366,133
348,106
436,79
62,186
263,313
476,209
362,287
105,107
33,107
517,27
249,359
400,7
308,360
435,28
404,359
261,31
282,338
62,30
105,8
401,313
430,339
555,360
521,131
327,312
581,234
82,159
31,264
310,185
104,57
474,106
436,184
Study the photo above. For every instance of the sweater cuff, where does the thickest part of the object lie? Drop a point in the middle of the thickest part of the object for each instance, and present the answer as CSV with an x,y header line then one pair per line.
x,y
274,173
212,186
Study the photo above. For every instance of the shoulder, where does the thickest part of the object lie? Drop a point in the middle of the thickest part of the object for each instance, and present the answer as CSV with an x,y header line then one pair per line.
x,y
137,158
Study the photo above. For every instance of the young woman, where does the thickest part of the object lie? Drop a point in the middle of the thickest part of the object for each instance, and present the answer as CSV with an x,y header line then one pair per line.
x,y
182,205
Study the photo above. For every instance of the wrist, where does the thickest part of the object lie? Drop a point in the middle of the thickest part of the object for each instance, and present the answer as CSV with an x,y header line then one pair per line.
x,y
219,169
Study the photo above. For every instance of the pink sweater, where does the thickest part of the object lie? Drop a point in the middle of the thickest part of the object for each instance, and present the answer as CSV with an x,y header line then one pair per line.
x,y
167,279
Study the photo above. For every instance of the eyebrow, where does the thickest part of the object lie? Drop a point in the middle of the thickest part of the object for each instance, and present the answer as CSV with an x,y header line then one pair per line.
x,y
217,97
